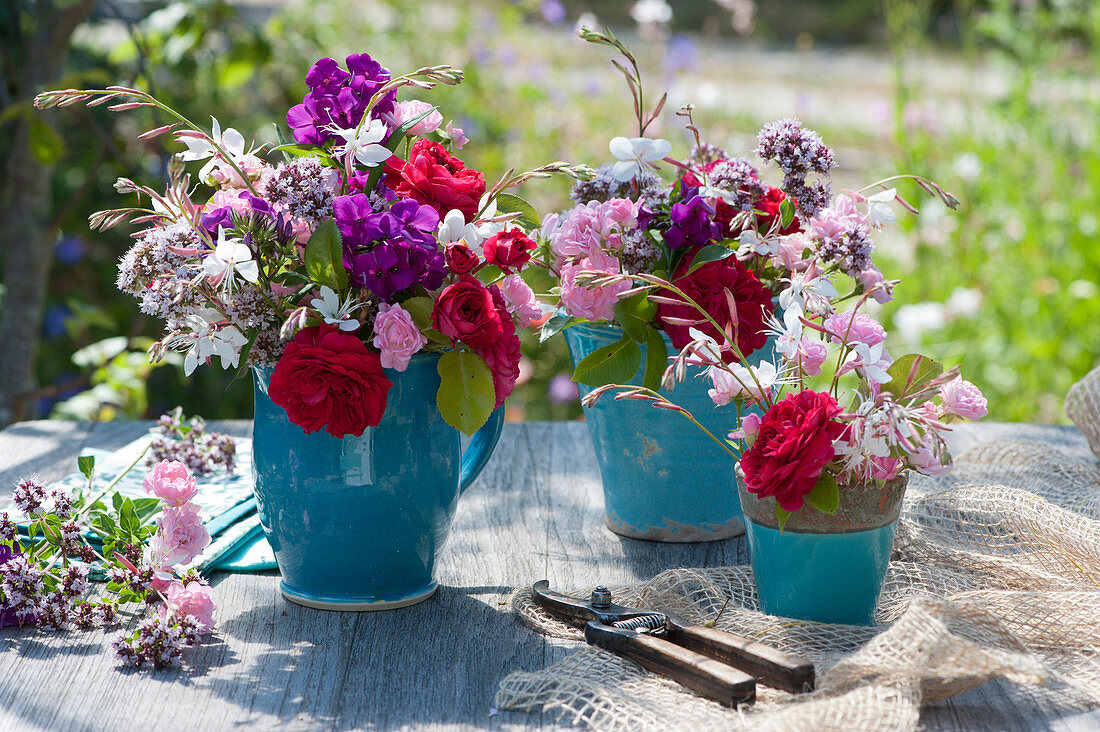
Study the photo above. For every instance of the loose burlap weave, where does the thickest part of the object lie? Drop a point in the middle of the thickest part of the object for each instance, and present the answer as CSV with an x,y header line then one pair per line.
x,y
995,574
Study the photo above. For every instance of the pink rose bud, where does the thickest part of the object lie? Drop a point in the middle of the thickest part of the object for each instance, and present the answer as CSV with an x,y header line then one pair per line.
x,y
170,481
520,299
458,138
396,336
405,111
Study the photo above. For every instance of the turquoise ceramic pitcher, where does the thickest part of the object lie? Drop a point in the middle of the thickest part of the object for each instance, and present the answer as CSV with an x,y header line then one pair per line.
x,y
357,522
663,478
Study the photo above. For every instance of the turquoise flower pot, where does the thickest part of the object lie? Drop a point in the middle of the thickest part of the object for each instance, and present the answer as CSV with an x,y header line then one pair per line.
x,y
663,478
357,522
828,568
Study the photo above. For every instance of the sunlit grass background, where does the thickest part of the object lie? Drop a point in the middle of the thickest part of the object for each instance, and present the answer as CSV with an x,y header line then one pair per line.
x,y
996,100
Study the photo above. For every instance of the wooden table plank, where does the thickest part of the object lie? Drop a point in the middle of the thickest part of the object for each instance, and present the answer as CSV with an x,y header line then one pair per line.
x,y
536,512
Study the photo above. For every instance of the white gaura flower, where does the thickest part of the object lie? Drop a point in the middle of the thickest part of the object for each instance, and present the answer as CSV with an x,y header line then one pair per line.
x,y
871,361
363,143
635,154
230,258
333,311
454,228
212,336
737,380
878,208
807,292
200,148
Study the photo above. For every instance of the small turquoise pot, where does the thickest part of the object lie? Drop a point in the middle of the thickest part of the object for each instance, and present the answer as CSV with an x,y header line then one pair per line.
x,y
357,522
828,568
663,478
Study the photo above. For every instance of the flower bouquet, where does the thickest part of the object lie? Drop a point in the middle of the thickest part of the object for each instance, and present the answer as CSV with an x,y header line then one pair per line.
x,y
720,238
371,278
829,426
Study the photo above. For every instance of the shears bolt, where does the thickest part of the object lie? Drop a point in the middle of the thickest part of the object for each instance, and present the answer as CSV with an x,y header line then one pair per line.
x,y
601,597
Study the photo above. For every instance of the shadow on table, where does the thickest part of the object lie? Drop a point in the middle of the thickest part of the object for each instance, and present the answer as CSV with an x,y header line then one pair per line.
x,y
436,662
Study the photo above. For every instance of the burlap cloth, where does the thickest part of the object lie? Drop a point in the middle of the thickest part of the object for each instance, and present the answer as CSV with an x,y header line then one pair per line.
x,y
995,573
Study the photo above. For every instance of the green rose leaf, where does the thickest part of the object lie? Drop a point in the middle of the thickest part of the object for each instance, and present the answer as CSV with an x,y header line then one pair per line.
x,y
825,496
420,308
710,253
656,359
614,364
466,396
509,203
910,373
325,257
634,314
556,325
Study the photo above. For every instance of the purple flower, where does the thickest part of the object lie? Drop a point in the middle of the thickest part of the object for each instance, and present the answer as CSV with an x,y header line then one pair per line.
x,y
389,251
339,98
561,390
692,223
393,266
218,218
7,614
798,151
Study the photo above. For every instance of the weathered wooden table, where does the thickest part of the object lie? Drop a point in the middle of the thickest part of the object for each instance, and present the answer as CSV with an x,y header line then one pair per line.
x,y
537,511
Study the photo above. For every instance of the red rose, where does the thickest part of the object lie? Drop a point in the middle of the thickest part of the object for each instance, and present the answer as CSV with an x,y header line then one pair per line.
x,y
465,311
432,177
769,205
328,378
461,259
793,445
509,250
503,356
706,286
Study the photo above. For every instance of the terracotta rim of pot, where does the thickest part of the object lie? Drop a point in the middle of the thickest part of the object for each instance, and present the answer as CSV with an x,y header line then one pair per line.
x,y
862,508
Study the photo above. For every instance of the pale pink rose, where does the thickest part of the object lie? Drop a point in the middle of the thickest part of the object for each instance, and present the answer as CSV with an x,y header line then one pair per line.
x,y
194,599
593,303
885,468
232,198
836,220
396,336
789,251
458,137
963,399
520,300
170,481
811,355
301,231
594,227
405,111
180,536
855,328
224,174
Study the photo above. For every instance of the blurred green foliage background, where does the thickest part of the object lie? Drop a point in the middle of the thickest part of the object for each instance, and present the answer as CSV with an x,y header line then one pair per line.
x,y
997,100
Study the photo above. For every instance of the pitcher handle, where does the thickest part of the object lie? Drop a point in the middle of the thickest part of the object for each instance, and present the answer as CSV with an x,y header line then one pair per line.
x,y
480,449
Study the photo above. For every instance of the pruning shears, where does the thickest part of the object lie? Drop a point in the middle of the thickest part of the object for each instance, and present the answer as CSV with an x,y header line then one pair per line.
x,y
716,664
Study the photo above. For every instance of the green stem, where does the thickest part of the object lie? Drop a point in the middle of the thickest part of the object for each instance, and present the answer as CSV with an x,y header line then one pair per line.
x,y
112,484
